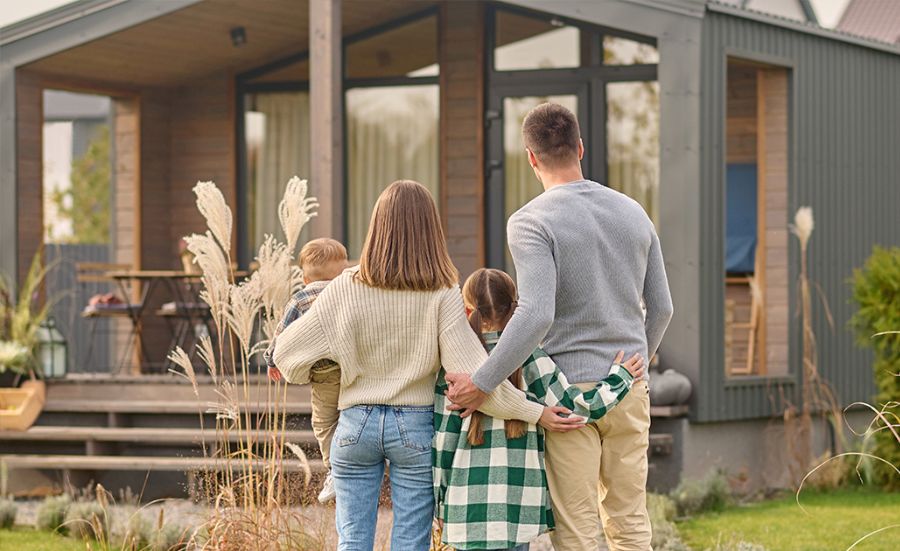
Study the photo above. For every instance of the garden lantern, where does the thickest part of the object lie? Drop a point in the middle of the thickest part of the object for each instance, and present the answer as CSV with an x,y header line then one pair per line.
x,y
52,350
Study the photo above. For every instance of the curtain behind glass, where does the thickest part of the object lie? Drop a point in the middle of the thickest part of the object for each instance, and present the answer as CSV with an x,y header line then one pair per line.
x,y
392,134
278,148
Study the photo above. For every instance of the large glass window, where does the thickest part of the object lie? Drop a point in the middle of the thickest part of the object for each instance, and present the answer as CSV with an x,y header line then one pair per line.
x,y
525,42
520,184
392,112
392,134
621,51
276,138
592,71
632,142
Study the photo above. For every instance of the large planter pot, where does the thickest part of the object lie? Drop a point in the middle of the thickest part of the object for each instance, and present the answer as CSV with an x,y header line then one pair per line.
x,y
20,407
669,388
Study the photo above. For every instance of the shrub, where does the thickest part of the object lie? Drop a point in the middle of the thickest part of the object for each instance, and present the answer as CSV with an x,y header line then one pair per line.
x,y
171,537
699,496
665,535
876,290
87,519
8,512
51,515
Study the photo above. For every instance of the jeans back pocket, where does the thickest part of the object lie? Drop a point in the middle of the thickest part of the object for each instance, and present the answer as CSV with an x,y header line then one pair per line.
x,y
416,427
351,424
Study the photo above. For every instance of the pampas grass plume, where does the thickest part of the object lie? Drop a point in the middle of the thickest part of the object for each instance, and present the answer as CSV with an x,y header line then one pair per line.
x,y
295,210
803,225
213,207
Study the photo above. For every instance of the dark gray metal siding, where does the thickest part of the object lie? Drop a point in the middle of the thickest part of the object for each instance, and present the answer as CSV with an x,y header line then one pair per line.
x,y
845,163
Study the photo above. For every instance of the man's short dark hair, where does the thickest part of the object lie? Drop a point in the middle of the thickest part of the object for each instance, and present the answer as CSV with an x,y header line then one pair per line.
x,y
551,132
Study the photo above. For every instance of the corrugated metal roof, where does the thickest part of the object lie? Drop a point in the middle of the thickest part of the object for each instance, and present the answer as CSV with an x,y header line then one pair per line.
x,y
876,19
729,8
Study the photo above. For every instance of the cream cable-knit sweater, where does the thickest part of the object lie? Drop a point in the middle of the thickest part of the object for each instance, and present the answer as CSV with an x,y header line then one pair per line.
x,y
390,345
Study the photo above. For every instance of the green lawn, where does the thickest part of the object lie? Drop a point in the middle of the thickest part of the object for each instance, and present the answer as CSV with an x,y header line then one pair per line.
x,y
835,520
31,540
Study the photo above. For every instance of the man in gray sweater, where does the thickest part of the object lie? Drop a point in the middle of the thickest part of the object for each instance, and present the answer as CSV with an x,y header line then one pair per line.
x,y
587,257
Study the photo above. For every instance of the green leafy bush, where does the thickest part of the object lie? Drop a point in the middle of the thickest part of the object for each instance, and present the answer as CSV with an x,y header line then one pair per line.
x,y
8,512
51,515
699,496
876,290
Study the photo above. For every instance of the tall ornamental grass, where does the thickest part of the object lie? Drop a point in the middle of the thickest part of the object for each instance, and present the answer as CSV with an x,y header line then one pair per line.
x,y
255,482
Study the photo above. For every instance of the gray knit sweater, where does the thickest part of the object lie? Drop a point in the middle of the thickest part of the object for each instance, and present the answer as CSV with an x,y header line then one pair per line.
x,y
585,256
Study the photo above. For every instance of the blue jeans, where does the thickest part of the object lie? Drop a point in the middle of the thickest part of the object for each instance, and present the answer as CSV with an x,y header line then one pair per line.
x,y
366,437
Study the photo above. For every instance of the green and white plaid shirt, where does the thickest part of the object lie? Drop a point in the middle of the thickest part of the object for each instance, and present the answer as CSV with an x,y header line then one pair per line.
x,y
494,496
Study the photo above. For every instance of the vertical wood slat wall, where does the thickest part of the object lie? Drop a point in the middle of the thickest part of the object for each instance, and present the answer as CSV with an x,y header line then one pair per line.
x,y
29,168
773,206
461,51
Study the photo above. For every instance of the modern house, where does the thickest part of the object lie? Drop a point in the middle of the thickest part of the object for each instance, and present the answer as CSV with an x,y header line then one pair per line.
x,y
720,120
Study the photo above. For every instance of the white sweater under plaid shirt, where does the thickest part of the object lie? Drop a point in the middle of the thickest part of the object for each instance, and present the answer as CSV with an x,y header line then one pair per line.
x,y
390,345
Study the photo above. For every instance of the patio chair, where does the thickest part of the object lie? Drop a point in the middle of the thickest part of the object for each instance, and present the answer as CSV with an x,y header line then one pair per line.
x,y
97,311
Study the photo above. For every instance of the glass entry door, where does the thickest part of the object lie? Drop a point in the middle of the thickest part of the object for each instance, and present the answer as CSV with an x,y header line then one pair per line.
x,y
511,182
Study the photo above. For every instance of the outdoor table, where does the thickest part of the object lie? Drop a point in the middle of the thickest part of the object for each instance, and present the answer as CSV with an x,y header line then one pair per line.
x,y
183,288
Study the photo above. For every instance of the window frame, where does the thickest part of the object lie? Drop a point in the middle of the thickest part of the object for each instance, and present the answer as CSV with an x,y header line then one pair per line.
x,y
244,86
592,78
791,377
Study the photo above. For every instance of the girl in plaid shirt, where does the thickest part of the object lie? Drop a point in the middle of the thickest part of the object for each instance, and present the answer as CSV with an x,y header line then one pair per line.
x,y
489,480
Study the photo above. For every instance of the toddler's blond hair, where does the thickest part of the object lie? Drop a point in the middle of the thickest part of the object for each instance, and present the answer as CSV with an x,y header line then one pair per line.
x,y
323,259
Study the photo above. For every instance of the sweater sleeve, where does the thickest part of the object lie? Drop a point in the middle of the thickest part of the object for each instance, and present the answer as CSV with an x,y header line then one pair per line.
x,y
300,346
657,298
532,254
462,352
548,383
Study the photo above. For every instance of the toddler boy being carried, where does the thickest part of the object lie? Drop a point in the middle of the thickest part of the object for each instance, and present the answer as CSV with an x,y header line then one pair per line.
x,y
321,261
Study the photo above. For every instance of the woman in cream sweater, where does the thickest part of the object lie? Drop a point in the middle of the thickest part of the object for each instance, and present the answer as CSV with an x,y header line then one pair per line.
x,y
391,324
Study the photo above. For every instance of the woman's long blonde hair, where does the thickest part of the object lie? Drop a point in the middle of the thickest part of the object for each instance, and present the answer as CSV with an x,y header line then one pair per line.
x,y
492,297
405,248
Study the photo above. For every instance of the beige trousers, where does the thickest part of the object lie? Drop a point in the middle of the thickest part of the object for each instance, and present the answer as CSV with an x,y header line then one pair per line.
x,y
326,389
599,473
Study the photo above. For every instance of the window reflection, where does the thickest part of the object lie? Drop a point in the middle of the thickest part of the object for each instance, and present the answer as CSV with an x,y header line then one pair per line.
x,y
409,50
633,142
524,42
520,183
621,51
392,133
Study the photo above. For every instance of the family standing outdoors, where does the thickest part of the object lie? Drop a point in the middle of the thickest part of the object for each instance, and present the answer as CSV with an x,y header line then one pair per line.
x,y
503,412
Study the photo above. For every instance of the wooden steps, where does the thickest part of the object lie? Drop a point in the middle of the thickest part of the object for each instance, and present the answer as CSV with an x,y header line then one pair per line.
x,y
136,463
142,435
186,407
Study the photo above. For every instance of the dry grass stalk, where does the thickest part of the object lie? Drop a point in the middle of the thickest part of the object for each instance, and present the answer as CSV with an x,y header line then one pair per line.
x,y
250,490
817,396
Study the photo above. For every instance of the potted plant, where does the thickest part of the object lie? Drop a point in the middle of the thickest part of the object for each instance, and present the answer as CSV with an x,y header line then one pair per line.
x,y
21,317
